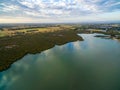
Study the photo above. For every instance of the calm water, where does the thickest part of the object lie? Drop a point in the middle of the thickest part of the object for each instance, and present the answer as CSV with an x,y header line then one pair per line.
x,y
93,64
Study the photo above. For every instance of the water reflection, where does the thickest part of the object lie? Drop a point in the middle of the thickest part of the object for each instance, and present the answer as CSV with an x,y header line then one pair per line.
x,y
89,65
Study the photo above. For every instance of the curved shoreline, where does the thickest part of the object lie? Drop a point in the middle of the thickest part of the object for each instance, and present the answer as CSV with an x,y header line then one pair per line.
x,y
15,47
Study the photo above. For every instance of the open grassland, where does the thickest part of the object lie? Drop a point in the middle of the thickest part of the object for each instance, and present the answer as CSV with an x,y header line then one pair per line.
x,y
10,32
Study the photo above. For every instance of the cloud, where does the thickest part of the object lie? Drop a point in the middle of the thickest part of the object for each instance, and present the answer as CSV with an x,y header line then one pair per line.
x,y
9,8
53,9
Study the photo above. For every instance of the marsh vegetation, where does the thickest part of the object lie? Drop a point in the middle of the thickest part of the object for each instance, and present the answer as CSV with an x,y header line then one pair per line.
x,y
15,47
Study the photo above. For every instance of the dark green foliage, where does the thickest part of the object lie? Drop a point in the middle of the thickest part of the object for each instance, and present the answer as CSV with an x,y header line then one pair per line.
x,y
15,47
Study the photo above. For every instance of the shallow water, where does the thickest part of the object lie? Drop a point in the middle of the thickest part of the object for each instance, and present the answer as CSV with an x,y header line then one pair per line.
x,y
93,64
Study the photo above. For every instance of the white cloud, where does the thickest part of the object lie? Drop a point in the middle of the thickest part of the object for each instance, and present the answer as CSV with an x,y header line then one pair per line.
x,y
114,4
8,8
28,4
58,9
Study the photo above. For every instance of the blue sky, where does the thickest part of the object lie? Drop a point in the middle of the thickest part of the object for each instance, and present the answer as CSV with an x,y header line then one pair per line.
x,y
51,11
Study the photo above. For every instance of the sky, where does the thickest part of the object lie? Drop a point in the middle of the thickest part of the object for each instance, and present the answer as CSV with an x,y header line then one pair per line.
x,y
59,11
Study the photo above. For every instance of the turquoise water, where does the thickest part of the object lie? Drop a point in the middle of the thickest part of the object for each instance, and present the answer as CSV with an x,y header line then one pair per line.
x,y
92,64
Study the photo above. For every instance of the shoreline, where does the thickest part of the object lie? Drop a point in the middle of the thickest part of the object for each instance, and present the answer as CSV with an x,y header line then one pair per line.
x,y
15,47
17,43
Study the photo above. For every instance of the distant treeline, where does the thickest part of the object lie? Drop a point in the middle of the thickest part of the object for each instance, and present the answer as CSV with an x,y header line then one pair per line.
x,y
99,26
22,26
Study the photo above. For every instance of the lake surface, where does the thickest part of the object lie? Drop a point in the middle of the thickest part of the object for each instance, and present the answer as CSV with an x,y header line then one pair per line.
x,y
92,64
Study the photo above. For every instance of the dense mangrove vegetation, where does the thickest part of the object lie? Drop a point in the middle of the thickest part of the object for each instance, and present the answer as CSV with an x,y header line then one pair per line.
x,y
15,47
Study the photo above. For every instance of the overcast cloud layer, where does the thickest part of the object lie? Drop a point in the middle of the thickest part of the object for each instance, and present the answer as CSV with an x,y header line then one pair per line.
x,y
59,10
